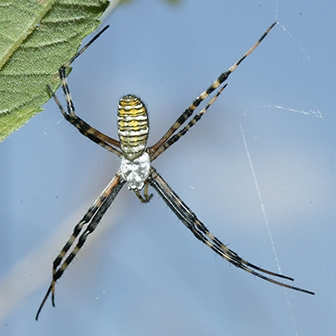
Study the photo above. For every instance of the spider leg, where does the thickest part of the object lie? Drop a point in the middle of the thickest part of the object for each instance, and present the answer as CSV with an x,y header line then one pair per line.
x,y
101,139
93,217
83,127
185,129
190,110
87,45
190,220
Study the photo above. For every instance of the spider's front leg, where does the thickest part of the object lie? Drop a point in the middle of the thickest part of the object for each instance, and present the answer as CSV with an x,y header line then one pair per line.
x,y
190,220
80,233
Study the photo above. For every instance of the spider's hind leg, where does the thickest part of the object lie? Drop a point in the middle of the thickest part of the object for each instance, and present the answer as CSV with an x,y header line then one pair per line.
x,y
93,134
168,138
63,76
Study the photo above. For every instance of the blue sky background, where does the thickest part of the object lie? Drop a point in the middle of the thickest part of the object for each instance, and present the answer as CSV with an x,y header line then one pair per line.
x,y
142,272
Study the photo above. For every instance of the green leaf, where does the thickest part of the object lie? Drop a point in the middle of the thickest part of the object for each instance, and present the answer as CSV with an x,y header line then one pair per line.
x,y
36,38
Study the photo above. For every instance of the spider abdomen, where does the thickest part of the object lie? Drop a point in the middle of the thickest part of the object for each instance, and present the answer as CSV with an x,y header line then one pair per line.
x,y
133,126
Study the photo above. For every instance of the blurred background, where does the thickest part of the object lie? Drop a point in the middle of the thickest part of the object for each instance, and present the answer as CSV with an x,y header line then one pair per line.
x,y
259,170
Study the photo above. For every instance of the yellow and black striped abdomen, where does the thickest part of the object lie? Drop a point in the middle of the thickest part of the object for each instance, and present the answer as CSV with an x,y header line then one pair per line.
x,y
133,126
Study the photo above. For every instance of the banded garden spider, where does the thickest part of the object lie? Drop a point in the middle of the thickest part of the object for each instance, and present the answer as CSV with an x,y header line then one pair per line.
x,y
136,170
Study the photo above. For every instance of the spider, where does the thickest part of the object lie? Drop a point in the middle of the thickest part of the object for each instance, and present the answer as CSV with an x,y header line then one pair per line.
x,y
136,170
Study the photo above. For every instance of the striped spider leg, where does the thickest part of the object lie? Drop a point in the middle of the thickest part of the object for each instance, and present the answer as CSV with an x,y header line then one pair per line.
x,y
93,134
169,138
97,210
91,219
137,172
190,220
